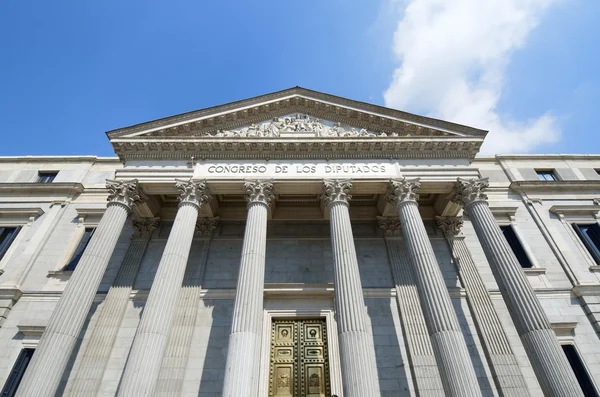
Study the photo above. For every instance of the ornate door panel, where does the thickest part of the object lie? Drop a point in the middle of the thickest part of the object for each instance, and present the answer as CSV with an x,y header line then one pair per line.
x,y
299,366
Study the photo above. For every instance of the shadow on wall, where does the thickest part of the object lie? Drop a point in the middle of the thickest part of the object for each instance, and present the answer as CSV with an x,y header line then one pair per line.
x,y
71,369
393,379
215,351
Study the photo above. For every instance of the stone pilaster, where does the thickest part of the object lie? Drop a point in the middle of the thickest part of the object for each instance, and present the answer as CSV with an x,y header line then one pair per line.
x,y
453,359
359,371
56,344
243,352
145,358
87,375
172,372
420,354
547,358
503,363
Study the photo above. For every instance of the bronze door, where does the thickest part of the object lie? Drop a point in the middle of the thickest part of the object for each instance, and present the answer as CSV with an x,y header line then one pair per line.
x,y
299,365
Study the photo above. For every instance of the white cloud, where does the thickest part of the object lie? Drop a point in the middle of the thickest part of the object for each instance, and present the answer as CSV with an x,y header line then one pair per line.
x,y
453,56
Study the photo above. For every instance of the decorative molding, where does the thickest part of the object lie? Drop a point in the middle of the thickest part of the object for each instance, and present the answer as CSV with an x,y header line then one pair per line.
x,y
42,188
295,149
205,226
126,193
575,209
21,213
259,191
563,328
450,226
403,190
336,190
467,191
390,225
555,186
534,271
143,227
193,192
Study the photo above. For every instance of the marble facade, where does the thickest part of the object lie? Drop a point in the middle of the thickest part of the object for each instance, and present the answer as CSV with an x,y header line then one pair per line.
x,y
297,204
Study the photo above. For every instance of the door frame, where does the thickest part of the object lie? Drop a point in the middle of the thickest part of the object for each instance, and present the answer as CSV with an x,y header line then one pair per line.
x,y
335,372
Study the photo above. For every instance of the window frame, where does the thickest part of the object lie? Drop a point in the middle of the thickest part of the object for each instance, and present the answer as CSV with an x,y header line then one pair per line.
x,y
592,247
584,367
543,173
520,251
42,175
77,252
6,243
14,378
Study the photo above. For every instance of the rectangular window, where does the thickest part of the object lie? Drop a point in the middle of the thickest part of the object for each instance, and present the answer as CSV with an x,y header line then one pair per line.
x,y
515,245
18,370
7,236
87,235
46,177
590,236
580,372
546,175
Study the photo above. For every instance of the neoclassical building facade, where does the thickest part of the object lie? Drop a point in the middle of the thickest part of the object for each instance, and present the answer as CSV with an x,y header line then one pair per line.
x,y
299,244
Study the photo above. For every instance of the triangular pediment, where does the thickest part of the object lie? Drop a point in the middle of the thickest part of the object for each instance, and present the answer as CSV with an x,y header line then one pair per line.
x,y
296,106
298,118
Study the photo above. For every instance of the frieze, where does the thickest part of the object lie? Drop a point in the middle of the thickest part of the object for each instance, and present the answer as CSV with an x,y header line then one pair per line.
x,y
298,126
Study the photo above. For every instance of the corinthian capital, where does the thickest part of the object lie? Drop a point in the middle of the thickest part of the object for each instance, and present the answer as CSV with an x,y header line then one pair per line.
x,y
126,193
193,192
143,227
258,191
390,225
450,226
205,226
336,190
403,190
468,191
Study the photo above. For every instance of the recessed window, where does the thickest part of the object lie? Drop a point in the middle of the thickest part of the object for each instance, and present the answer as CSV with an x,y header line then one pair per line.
x,y
590,237
580,372
46,177
546,175
7,236
516,246
16,374
87,235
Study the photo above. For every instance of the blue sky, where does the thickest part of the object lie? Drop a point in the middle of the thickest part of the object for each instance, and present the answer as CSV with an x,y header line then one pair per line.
x,y
72,70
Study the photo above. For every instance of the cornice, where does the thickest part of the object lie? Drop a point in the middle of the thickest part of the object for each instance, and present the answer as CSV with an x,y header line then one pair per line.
x,y
24,212
555,186
290,148
574,209
34,187
291,100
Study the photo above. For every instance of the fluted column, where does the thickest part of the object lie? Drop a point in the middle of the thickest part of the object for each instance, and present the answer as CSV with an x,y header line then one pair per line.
x,y
502,360
452,356
426,375
243,351
56,344
88,372
172,372
547,358
359,371
145,358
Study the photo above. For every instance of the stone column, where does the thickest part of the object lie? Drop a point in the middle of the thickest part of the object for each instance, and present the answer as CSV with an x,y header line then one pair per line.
x,y
145,358
56,344
243,351
173,369
87,373
452,356
547,357
425,373
359,370
503,363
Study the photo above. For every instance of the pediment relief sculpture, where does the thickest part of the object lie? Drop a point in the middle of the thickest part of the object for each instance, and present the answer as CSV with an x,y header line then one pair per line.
x,y
298,125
